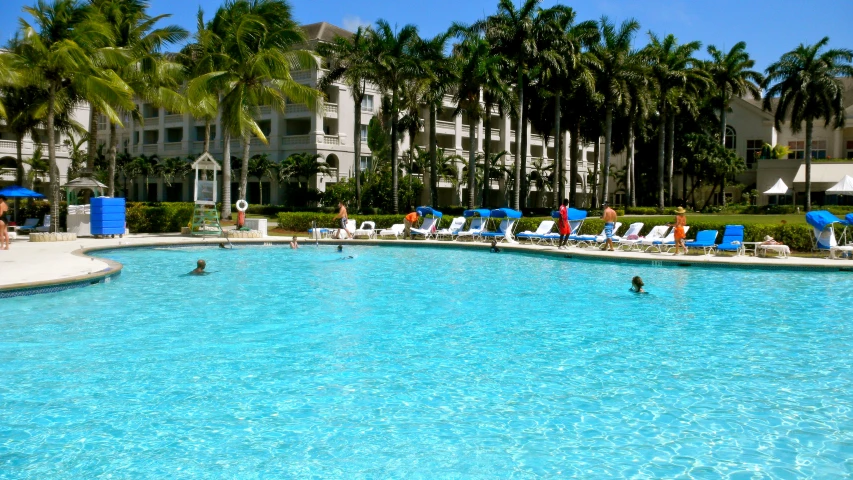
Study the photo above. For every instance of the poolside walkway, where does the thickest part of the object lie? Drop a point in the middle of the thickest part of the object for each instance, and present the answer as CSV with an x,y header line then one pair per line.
x,y
36,263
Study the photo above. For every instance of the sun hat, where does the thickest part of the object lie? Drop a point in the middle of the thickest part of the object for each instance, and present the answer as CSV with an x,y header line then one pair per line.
x,y
680,210
767,238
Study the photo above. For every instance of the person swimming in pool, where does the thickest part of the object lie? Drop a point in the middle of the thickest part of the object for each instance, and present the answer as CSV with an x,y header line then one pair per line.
x,y
293,243
199,269
637,285
495,248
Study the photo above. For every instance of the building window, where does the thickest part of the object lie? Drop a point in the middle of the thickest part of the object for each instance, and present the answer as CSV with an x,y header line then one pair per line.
x,y
797,149
753,151
150,137
364,164
174,135
818,149
849,148
731,138
367,103
136,138
364,134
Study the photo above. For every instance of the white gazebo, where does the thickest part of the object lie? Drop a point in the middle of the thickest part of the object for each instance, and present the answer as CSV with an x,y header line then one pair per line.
x,y
844,187
779,188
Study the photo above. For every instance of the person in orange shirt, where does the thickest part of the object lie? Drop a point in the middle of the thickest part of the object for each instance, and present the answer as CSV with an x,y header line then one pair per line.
x,y
408,221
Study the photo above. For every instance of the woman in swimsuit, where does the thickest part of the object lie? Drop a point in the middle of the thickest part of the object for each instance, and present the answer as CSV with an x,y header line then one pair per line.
x,y
4,235
680,222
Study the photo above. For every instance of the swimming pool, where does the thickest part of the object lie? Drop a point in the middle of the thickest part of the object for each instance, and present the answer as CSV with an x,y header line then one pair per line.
x,y
426,363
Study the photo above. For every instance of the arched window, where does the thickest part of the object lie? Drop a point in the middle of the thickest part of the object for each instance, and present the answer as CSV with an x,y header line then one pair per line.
x,y
731,138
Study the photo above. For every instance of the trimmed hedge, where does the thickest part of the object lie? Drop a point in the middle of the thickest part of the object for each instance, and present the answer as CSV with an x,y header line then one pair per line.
x,y
302,221
162,217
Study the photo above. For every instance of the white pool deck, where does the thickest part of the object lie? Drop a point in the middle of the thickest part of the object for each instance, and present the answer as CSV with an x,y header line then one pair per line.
x,y
30,264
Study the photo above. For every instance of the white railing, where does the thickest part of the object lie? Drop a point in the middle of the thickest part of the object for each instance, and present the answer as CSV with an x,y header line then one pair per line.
x,y
176,118
445,124
265,109
331,109
7,144
172,146
149,149
29,146
496,131
237,145
296,108
331,139
301,75
295,139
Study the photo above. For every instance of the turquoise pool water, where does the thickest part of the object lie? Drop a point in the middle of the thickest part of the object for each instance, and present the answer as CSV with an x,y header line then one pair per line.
x,y
426,363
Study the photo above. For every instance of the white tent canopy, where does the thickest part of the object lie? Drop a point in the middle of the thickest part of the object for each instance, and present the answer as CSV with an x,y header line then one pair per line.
x,y
844,187
779,188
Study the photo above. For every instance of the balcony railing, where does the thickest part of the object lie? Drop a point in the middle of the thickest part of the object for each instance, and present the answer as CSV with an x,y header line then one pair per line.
x,y
176,118
265,109
331,109
295,139
296,108
445,124
172,146
331,139
301,75
149,149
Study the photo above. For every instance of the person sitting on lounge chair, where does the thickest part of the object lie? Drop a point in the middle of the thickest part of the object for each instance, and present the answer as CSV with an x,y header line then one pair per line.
x,y
768,240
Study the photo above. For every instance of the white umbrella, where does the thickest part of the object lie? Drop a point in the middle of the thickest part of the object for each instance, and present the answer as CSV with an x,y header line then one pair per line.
x,y
779,188
844,187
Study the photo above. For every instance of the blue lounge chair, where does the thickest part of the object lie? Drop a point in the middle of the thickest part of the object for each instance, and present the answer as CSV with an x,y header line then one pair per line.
x,y
576,219
479,217
29,225
667,243
706,240
732,240
431,218
823,222
544,228
507,225
593,240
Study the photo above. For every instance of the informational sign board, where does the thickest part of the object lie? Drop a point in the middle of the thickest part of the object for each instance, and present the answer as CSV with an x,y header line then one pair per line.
x,y
206,192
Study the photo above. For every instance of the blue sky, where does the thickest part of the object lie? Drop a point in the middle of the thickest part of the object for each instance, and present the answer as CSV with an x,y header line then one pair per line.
x,y
769,27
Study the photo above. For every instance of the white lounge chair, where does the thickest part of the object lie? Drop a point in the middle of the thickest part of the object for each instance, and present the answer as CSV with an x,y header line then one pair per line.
x,y
782,251
503,233
594,240
477,226
427,228
637,244
822,223
451,231
633,231
367,229
538,236
395,231
341,234
658,246
45,225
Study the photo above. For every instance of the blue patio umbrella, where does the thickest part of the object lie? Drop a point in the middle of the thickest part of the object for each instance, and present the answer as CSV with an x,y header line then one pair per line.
x,y
16,192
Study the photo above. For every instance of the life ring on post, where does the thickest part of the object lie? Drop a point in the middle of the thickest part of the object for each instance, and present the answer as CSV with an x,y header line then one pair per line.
x,y
242,205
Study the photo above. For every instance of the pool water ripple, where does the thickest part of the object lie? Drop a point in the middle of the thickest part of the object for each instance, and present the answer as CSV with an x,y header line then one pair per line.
x,y
426,363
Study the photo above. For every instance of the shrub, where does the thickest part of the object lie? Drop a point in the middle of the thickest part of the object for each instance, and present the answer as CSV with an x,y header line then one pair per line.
x,y
643,211
158,217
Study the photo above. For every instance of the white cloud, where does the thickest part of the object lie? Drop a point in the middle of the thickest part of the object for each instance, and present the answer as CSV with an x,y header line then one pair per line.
x,y
352,22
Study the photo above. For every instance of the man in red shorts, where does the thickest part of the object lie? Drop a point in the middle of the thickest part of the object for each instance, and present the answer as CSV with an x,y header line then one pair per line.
x,y
564,227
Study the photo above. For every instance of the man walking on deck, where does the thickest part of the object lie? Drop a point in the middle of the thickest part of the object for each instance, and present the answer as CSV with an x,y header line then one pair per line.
x,y
609,217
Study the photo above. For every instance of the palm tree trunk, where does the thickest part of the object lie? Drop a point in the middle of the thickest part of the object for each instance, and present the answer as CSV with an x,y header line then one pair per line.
x,y
605,171
244,167
723,125
487,151
433,166
93,139
723,190
19,167
558,162
525,188
357,148
684,184
632,186
207,136
595,199
111,158
516,194
51,156
661,150
809,128
670,151
472,160
226,174
710,196
395,175
573,164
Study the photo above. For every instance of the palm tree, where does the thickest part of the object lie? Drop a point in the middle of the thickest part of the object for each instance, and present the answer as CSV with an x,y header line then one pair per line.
x,y
59,58
152,77
616,67
300,167
671,66
393,59
261,166
173,168
432,88
146,167
447,168
805,81
23,107
38,167
259,39
199,58
639,99
730,72
350,63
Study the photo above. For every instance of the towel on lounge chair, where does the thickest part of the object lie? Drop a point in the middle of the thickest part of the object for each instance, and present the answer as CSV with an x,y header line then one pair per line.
x,y
732,240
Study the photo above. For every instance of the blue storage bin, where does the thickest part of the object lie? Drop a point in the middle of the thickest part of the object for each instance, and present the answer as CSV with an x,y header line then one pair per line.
x,y
107,216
